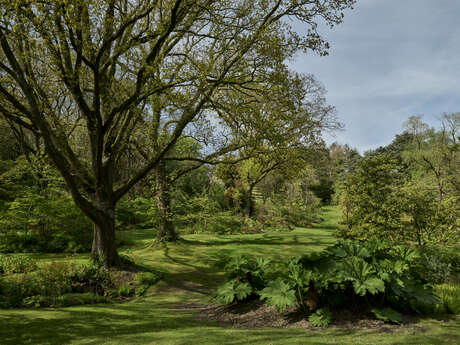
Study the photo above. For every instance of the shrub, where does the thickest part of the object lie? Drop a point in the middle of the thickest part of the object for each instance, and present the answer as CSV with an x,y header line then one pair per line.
x,y
16,264
66,300
295,212
125,290
218,222
47,285
435,265
450,298
71,299
48,223
90,278
140,211
372,274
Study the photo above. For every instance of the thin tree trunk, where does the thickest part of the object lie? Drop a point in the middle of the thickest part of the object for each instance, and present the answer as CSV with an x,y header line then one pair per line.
x,y
249,202
165,226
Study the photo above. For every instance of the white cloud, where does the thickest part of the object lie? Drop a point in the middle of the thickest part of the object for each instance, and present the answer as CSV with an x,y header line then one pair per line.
x,y
389,60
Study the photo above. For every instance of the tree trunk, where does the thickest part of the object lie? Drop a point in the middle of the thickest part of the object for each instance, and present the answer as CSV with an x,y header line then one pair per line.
x,y
104,249
165,226
249,203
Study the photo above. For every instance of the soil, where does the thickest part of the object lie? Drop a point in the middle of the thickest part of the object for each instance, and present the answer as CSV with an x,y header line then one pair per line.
x,y
256,314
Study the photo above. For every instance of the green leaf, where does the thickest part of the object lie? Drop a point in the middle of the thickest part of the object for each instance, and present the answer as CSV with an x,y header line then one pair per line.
x,y
321,318
349,248
279,294
387,315
372,285
404,253
231,290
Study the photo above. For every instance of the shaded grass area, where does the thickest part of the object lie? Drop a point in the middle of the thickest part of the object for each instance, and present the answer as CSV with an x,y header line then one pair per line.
x,y
164,315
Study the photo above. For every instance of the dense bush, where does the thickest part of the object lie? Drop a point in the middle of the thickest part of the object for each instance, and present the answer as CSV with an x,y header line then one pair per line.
x,y
437,265
450,298
348,274
201,214
63,284
407,191
140,212
66,300
299,209
16,264
52,281
34,223
37,213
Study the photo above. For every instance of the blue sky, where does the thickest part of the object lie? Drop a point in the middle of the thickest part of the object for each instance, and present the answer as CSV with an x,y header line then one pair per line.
x,y
389,59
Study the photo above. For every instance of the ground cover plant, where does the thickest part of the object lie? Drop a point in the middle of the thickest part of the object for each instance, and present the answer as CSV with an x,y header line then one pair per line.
x,y
61,284
376,275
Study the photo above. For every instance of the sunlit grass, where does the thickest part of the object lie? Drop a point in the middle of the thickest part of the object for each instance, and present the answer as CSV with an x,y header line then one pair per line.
x,y
190,277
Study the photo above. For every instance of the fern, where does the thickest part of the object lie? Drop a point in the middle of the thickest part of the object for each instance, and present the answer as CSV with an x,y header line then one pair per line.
x,y
279,294
321,318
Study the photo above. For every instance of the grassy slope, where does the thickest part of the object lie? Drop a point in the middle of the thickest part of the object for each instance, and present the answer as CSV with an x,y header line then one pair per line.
x,y
159,318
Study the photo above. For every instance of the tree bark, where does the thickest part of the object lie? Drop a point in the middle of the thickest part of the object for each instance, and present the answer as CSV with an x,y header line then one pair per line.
x,y
165,227
104,248
249,209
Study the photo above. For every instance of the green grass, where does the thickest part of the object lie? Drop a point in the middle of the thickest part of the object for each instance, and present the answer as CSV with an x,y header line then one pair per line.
x,y
190,277
450,295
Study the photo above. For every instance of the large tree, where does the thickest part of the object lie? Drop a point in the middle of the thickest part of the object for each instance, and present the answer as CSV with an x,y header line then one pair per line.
x,y
106,67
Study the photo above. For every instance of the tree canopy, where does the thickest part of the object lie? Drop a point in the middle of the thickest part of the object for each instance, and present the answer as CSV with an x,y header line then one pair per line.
x,y
100,71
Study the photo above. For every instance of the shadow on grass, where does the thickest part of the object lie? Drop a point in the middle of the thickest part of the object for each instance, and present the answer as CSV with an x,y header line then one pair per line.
x,y
156,322
128,323
292,240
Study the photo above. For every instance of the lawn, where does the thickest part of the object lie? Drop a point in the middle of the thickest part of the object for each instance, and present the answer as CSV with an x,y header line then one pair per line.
x,y
165,314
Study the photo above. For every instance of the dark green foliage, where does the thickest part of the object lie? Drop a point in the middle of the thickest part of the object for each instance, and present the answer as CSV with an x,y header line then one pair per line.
x,y
233,290
51,282
16,264
323,190
370,202
201,213
37,213
321,318
387,315
278,294
66,300
435,266
370,274
407,191
90,278
450,298
299,211
139,212
125,290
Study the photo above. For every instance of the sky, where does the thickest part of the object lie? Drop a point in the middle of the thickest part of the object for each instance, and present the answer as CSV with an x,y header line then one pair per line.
x,y
389,59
